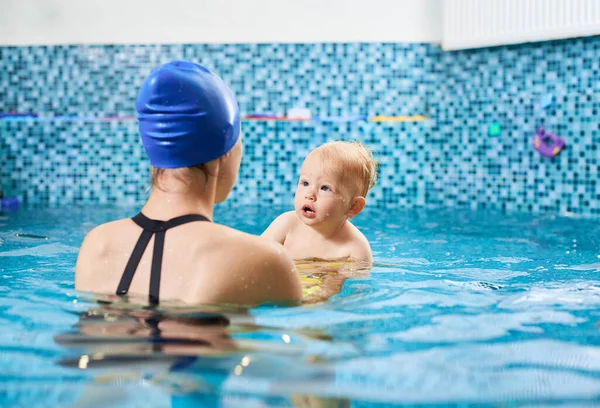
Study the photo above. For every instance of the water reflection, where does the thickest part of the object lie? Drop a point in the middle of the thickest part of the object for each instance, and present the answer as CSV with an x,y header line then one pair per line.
x,y
203,355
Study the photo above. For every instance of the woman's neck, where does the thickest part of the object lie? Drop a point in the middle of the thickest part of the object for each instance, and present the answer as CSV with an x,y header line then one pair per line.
x,y
175,198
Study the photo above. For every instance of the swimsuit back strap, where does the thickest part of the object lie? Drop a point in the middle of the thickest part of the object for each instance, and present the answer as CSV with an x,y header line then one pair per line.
x,y
151,227
157,226
157,256
133,262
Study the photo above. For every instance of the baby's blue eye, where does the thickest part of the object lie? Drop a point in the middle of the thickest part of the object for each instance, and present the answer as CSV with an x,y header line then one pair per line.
x,y
305,183
325,188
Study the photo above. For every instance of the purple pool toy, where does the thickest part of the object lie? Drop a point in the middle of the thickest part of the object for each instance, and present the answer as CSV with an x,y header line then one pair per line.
x,y
547,144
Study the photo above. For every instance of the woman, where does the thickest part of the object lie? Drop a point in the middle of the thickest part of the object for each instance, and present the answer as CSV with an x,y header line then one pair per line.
x,y
190,128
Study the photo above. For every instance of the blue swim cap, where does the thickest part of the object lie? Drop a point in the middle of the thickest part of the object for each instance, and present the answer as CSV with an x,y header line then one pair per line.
x,y
187,115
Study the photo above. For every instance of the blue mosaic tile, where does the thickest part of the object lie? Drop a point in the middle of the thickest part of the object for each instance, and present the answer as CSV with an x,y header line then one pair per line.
x,y
449,160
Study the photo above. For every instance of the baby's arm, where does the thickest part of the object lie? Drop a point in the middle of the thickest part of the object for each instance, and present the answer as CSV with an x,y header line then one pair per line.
x,y
279,228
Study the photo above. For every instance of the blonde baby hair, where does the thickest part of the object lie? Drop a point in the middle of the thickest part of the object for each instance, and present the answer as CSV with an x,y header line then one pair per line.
x,y
355,161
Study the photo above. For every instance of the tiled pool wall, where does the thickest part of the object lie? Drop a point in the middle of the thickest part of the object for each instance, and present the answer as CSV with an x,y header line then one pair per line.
x,y
448,160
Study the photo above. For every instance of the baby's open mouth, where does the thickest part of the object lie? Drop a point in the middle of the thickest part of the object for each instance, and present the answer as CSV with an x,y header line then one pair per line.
x,y
308,211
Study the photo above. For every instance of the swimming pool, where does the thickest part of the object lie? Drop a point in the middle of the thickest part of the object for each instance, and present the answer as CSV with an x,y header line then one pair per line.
x,y
460,307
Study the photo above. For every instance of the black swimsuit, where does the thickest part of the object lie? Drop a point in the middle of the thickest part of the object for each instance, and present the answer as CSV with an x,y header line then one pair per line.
x,y
151,227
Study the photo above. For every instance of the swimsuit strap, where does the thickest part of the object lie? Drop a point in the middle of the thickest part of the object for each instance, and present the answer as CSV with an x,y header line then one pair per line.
x,y
151,227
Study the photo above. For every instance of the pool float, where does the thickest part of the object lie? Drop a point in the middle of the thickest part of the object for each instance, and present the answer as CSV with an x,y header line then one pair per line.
x,y
273,118
117,118
354,118
66,118
381,118
547,144
299,114
261,116
15,114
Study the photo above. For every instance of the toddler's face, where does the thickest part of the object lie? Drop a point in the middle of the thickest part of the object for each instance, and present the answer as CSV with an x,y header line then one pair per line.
x,y
321,196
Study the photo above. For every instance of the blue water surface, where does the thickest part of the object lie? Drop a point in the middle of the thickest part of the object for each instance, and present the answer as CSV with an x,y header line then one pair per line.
x,y
460,308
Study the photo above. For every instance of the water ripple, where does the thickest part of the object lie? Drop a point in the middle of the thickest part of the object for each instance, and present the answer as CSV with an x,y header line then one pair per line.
x,y
458,308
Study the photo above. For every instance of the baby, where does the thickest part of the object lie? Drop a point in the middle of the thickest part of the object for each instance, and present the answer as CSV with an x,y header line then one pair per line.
x,y
334,180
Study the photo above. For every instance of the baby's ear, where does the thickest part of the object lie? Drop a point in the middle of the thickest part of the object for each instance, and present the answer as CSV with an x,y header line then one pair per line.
x,y
358,203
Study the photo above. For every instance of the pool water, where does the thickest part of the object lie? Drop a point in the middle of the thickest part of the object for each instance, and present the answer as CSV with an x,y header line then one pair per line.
x,y
460,308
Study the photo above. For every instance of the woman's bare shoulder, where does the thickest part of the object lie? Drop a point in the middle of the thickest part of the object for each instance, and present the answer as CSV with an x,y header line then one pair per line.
x,y
95,247
263,271
239,243
111,227
105,233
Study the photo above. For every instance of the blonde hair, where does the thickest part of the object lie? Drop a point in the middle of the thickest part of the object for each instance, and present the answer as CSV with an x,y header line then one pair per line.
x,y
355,162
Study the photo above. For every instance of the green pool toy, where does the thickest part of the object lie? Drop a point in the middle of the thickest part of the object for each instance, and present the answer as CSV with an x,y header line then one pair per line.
x,y
494,129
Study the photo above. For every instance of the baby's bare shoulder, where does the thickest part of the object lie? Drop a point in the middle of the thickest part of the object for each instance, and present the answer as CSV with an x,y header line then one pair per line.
x,y
280,227
288,218
354,234
359,244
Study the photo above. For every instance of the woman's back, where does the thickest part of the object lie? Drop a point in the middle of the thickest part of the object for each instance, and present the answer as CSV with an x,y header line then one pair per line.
x,y
202,263
190,126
